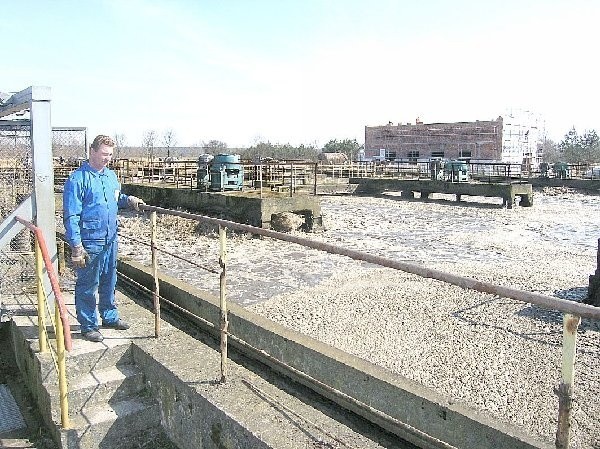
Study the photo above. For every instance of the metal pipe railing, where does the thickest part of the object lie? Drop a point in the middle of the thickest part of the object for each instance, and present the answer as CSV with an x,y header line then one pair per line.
x,y
41,298
64,318
222,288
61,319
544,301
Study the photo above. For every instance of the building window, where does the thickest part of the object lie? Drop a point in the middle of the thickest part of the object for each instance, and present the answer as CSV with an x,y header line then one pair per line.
x,y
437,154
391,155
464,153
413,155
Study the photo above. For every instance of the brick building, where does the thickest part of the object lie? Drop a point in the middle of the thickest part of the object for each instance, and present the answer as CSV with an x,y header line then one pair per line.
x,y
514,140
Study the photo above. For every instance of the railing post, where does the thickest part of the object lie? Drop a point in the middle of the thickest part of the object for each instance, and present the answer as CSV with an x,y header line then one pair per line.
x,y
315,180
61,256
223,300
291,179
565,389
41,298
156,292
62,369
260,177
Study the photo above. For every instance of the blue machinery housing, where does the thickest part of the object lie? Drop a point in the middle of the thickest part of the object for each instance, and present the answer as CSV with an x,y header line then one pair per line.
x,y
223,172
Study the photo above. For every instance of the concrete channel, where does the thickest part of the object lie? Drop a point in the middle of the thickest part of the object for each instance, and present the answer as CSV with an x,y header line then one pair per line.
x,y
135,389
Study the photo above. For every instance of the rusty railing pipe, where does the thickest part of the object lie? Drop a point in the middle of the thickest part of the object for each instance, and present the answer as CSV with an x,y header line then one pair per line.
x,y
544,301
53,280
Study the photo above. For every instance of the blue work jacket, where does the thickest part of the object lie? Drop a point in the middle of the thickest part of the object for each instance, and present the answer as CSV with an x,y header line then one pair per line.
x,y
91,200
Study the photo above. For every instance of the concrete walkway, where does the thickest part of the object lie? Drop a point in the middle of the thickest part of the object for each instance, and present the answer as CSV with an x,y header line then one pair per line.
x,y
173,393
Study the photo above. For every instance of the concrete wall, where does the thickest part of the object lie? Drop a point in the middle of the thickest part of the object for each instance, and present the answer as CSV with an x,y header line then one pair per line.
x,y
507,192
241,207
37,369
593,185
359,382
190,419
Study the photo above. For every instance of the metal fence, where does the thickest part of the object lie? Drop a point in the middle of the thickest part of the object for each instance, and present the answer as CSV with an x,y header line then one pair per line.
x,y
16,184
69,150
25,150
15,179
69,144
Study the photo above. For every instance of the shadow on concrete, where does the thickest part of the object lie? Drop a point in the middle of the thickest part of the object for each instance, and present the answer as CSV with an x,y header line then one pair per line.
x,y
295,389
575,294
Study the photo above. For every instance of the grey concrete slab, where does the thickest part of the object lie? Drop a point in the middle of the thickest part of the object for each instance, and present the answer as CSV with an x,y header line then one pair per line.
x,y
183,400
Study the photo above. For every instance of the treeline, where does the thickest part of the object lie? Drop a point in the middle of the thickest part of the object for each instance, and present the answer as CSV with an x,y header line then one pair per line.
x,y
574,148
258,150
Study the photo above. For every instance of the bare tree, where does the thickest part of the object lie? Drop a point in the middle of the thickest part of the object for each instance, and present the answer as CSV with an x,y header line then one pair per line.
x,y
214,146
169,140
120,140
148,143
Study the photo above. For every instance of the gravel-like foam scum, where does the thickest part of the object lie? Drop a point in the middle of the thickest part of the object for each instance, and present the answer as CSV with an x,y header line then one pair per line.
x,y
494,354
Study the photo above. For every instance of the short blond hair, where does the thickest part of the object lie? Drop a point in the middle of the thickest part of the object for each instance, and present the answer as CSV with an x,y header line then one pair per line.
x,y
101,139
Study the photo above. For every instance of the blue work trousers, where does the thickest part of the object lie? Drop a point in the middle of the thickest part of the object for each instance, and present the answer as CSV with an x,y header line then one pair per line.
x,y
97,280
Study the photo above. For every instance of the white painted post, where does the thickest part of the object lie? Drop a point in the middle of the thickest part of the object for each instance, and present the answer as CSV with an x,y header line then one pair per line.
x,y
565,389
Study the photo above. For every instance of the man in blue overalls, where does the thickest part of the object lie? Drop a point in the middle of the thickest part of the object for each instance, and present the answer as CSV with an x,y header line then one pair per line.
x,y
91,198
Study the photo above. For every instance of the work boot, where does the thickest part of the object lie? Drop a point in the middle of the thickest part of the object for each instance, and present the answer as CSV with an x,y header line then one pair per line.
x,y
93,335
118,325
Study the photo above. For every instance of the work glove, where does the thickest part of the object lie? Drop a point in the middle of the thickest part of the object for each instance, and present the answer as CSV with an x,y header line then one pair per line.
x,y
135,202
79,256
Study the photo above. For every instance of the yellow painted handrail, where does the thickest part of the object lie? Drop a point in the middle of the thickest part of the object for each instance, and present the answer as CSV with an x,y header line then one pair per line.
x,y
61,320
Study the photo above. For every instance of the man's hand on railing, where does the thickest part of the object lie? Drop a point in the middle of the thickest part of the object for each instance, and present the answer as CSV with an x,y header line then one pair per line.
x,y
135,202
79,256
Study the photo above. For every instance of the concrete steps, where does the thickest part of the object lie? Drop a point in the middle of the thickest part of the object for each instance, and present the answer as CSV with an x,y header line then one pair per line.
x,y
118,424
109,406
88,356
106,385
16,443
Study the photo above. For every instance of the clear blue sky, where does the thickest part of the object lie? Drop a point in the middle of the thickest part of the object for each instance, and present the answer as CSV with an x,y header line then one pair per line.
x,y
301,71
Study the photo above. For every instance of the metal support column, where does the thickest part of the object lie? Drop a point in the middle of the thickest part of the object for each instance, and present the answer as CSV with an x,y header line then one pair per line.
x,y
37,100
43,173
